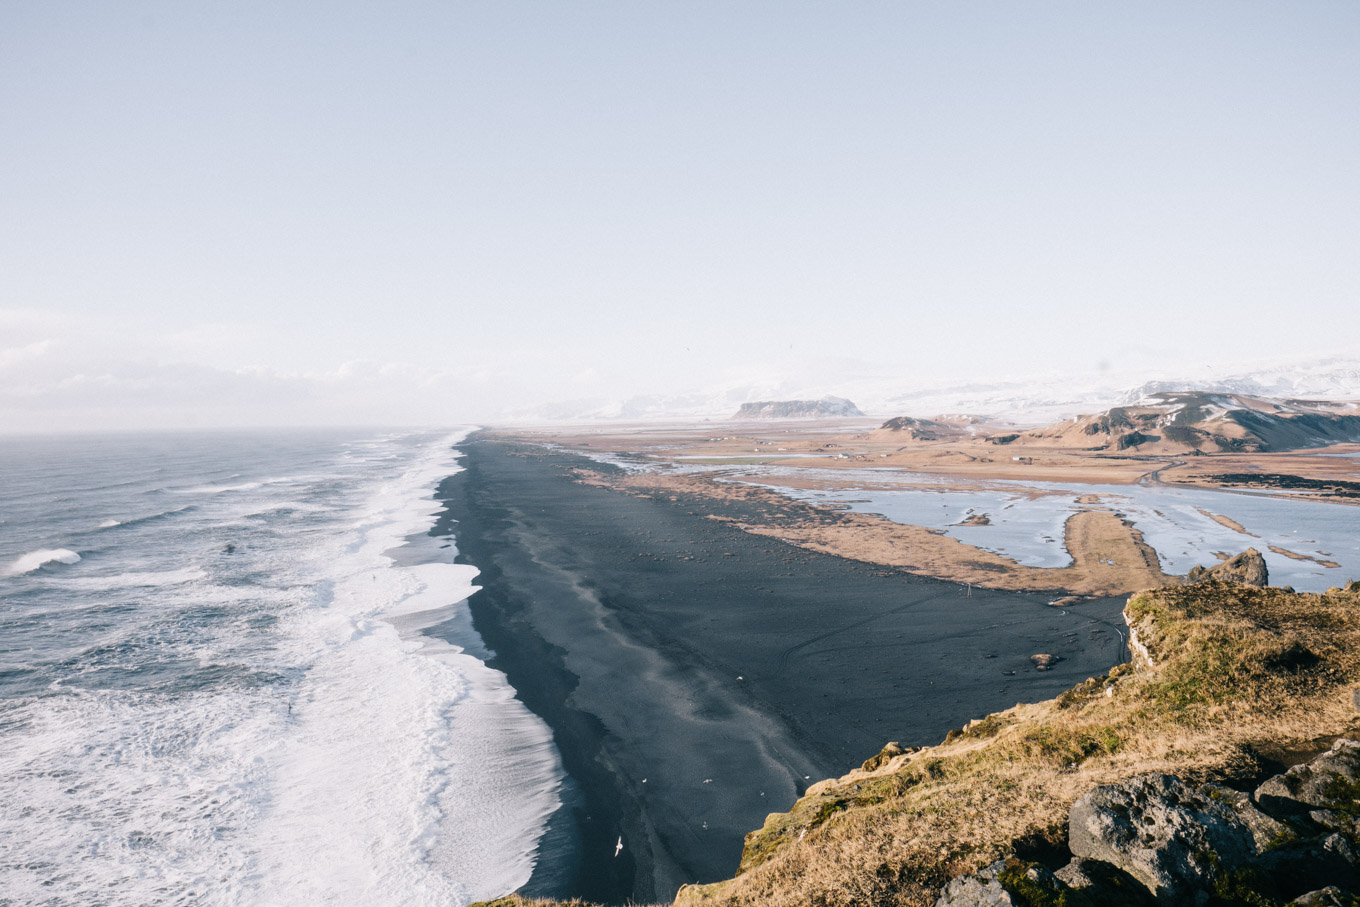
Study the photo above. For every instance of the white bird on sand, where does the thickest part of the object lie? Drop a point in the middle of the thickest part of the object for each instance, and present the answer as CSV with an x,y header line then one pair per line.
x,y
618,848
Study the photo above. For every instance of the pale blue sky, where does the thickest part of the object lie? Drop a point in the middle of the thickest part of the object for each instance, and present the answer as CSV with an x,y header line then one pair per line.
x,y
493,204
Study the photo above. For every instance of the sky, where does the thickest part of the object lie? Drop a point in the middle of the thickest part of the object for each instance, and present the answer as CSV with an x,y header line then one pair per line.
x,y
274,213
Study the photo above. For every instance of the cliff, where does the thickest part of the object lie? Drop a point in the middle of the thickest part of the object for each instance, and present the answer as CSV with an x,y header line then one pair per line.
x,y
825,408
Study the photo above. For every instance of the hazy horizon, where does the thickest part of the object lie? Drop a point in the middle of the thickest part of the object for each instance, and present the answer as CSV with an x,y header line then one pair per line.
x,y
422,213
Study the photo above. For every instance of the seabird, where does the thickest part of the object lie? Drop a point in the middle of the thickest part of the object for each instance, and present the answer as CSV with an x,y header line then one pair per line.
x,y
618,848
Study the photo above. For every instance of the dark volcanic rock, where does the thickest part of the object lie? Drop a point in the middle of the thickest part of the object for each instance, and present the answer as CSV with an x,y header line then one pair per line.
x,y
1114,886
1265,831
825,408
1303,864
1329,782
1159,830
981,889
1155,839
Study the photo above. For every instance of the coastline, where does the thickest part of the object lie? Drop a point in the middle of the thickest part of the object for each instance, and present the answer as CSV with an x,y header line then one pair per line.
x,y
697,677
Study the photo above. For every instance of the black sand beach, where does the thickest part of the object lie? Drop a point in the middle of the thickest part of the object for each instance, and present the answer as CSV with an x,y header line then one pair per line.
x,y
697,677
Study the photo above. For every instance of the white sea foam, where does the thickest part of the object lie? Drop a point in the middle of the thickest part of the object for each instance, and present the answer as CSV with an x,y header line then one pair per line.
x,y
411,774
218,489
132,521
282,732
34,559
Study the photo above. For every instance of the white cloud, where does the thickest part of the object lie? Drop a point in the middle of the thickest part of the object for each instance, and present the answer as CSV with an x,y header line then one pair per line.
x,y
98,374
20,355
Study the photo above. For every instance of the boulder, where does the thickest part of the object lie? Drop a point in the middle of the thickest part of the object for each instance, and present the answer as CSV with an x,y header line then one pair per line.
x,y
1265,831
1101,883
1078,874
1043,661
1331,896
1331,781
1331,820
981,889
1302,865
1169,836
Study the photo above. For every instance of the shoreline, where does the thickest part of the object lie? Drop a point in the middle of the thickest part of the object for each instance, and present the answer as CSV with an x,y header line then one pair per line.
x,y
697,677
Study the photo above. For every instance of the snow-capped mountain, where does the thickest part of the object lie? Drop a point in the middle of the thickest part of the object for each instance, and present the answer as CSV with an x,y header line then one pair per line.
x,y
1034,400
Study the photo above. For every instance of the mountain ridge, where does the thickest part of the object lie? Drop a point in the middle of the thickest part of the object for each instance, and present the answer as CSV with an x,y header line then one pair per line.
x,y
1031,402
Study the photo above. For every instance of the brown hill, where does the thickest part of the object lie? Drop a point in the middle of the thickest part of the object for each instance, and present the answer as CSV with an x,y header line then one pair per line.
x,y
1185,423
905,429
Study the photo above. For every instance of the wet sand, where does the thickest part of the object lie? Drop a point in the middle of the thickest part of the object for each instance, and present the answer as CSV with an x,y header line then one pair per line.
x,y
697,677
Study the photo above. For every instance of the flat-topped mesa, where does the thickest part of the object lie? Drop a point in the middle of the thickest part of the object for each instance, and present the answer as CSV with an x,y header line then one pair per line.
x,y
825,408
1193,422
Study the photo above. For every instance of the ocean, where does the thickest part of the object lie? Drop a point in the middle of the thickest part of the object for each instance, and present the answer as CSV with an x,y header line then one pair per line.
x,y
216,685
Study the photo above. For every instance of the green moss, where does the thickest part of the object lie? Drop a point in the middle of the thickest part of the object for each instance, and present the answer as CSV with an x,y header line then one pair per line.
x,y
1067,746
1039,892
1084,692
1343,795
987,727
1282,838
1246,886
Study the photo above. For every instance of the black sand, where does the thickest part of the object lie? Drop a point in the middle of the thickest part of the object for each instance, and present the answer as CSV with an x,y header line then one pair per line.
x,y
697,677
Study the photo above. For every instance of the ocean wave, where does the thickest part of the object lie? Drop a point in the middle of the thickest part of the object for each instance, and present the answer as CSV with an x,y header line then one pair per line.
x,y
222,750
34,559
135,579
217,489
136,520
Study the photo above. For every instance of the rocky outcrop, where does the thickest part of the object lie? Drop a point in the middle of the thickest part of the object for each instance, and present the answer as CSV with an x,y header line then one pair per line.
x,y
1247,568
1296,837
1170,837
1316,785
825,408
916,429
